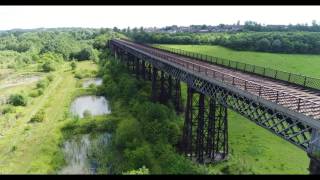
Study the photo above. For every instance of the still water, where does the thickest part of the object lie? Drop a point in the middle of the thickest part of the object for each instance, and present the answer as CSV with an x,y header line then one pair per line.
x,y
96,105
79,151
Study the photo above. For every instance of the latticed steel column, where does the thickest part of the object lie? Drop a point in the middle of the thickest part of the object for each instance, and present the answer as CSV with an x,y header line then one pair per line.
x,y
220,133
200,130
162,97
205,135
170,87
187,130
314,152
210,131
143,69
137,62
128,61
154,84
149,72
131,63
177,96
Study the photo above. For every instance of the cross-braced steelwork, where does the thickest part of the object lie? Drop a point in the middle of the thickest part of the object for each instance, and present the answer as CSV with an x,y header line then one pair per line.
x,y
291,117
205,136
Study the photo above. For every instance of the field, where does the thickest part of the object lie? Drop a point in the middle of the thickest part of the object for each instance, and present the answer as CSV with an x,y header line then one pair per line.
x,y
300,64
34,147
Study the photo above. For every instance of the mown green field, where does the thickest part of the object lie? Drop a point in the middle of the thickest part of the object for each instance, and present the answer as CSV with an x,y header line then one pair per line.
x,y
301,64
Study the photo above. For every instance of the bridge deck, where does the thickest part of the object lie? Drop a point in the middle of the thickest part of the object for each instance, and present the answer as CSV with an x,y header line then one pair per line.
x,y
292,97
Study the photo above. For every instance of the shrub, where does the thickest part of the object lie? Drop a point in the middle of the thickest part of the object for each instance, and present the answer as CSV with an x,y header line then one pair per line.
x,y
42,84
38,117
50,77
33,94
10,66
48,66
8,109
18,100
87,114
73,65
140,171
36,93
140,156
92,86
128,134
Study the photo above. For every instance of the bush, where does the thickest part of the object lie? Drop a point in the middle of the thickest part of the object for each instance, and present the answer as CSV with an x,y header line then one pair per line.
x,y
83,74
87,114
42,84
36,93
92,86
73,65
18,100
87,53
140,171
128,134
140,156
50,77
10,66
38,117
48,66
8,109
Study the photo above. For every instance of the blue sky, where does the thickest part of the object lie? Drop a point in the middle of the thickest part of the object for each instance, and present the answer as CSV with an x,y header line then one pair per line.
x,y
150,16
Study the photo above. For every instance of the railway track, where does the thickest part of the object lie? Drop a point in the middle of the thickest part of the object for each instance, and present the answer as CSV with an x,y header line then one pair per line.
x,y
293,97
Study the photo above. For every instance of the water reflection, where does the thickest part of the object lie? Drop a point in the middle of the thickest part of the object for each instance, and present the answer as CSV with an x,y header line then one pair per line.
x,y
95,105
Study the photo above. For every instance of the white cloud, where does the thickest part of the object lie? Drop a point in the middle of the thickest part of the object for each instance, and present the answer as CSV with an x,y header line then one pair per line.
x,y
149,16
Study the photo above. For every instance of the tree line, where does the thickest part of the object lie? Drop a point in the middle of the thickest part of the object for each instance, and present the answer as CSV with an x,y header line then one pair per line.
x,y
280,42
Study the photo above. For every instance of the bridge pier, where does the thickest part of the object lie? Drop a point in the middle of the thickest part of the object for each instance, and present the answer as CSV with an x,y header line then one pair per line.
x,y
314,152
149,72
162,97
143,69
154,84
177,96
205,137
137,68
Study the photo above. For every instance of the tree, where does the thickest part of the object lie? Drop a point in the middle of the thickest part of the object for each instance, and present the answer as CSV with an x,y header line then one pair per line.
x,y
263,44
87,53
276,45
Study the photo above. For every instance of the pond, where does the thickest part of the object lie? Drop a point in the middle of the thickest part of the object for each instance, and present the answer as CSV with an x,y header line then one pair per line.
x,y
95,105
95,81
80,153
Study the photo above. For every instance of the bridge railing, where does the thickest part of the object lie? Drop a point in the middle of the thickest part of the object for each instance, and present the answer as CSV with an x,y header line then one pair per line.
x,y
281,97
297,79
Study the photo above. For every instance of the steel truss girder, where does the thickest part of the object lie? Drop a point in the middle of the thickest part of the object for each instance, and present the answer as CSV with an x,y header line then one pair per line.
x,y
291,126
255,109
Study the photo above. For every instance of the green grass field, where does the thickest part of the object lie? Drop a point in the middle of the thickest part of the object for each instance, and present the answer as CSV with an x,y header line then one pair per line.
x,y
301,64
